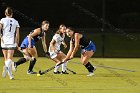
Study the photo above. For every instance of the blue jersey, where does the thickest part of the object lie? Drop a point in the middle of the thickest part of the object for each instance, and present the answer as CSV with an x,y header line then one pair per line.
x,y
39,36
36,38
86,44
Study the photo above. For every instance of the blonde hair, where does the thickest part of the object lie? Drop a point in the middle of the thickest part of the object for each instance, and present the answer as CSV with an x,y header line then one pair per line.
x,y
58,31
8,11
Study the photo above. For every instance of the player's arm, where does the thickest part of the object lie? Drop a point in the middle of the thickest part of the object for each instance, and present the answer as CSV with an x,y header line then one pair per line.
x,y
64,44
52,45
17,36
0,29
70,51
35,32
77,39
44,42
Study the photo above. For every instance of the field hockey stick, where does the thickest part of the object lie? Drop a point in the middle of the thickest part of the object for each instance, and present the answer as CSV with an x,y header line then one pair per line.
x,y
41,73
44,72
71,71
48,56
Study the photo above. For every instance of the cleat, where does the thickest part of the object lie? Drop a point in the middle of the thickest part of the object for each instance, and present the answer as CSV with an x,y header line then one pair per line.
x,y
31,72
9,70
94,68
4,71
64,72
92,73
11,78
14,66
57,72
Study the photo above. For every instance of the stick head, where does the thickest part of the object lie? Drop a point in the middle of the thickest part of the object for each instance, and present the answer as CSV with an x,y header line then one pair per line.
x,y
74,72
40,73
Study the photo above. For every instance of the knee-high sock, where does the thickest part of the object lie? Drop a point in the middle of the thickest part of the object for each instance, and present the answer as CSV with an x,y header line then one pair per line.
x,y
89,67
8,65
20,61
64,67
56,68
32,63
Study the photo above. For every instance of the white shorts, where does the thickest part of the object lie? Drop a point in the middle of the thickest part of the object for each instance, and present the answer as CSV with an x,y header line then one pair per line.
x,y
8,46
54,54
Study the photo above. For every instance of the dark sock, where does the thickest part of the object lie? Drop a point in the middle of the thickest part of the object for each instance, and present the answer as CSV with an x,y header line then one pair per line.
x,y
32,63
89,67
20,61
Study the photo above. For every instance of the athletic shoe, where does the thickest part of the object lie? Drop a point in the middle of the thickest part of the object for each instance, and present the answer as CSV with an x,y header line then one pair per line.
x,y
57,72
9,70
64,72
31,72
94,68
92,73
4,71
11,77
14,66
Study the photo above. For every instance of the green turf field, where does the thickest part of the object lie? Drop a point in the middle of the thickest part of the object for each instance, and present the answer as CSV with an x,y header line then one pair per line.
x,y
106,80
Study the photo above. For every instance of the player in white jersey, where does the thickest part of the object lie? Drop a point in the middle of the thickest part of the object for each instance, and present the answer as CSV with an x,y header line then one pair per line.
x,y
9,40
54,49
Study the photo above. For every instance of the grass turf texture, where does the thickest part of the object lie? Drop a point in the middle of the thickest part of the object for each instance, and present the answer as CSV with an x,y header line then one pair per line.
x,y
104,81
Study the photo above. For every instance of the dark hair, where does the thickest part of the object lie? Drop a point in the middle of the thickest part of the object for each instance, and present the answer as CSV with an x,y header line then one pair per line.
x,y
8,11
45,22
73,29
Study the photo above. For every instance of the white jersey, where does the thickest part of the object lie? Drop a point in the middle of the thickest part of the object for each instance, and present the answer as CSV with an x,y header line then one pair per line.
x,y
9,30
58,40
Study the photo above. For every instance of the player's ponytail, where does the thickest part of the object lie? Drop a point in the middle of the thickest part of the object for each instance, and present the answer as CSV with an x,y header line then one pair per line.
x,y
8,11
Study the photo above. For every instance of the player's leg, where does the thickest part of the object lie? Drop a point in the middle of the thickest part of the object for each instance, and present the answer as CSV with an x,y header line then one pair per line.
x,y
85,61
53,56
23,59
56,69
33,53
5,60
8,63
61,57
24,48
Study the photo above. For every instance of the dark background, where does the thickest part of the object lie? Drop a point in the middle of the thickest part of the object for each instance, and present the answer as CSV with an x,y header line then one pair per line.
x,y
114,25
120,13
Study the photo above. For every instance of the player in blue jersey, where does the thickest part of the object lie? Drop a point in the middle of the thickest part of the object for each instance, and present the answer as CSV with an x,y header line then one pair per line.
x,y
28,46
87,49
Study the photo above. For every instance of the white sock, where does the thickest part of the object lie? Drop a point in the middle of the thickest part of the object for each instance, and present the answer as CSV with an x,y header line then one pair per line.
x,y
64,66
8,64
56,68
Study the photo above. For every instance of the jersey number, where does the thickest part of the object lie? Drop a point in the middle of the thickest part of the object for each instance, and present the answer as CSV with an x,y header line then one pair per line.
x,y
10,27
